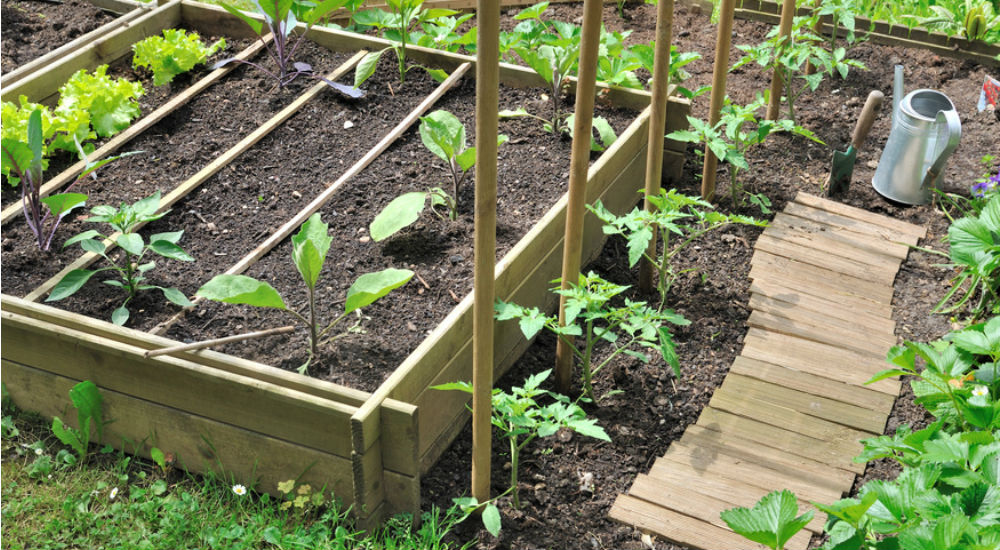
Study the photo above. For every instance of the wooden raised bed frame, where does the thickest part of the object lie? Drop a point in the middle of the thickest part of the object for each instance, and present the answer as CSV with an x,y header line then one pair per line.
x,y
260,425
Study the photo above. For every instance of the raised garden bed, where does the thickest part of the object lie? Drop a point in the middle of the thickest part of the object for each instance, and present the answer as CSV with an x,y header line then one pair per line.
x,y
262,424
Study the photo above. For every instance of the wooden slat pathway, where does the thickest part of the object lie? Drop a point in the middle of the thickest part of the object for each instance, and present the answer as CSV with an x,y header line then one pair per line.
x,y
794,406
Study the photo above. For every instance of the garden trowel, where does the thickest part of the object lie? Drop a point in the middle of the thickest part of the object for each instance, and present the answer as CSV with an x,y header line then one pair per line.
x,y
843,163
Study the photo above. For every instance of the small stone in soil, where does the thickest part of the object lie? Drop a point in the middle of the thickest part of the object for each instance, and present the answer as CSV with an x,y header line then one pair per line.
x,y
456,259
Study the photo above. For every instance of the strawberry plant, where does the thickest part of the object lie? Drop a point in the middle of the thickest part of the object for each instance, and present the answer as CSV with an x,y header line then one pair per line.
x,y
174,53
130,267
309,249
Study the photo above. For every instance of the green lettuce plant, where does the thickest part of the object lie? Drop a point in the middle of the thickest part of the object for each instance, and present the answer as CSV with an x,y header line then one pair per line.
x,y
520,418
124,221
677,220
397,25
592,315
309,249
174,53
111,103
61,129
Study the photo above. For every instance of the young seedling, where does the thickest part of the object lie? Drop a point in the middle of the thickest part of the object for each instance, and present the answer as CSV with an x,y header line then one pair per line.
x,y
771,521
89,405
645,54
554,64
738,131
673,214
281,22
396,25
444,135
789,57
591,315
309,248
520,418
124,220
174,53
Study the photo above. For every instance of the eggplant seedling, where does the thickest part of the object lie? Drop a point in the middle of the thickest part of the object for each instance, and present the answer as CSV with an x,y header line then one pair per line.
x,y
396,26
309,248
124,220
444,135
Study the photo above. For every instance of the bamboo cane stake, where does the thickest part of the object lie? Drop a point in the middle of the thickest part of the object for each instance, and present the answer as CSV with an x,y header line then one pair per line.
x,y
218,341
579,161
818,30
777,82
487,106
722,43
657,122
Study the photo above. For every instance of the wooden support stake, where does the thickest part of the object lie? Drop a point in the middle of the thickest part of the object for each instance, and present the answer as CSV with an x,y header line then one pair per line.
x,y
657,123
777,82
579,162
218,341
487,105
722,43
70,174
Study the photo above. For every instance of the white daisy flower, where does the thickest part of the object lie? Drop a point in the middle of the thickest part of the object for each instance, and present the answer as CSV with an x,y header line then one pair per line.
x,y
113,493
239,490
980,391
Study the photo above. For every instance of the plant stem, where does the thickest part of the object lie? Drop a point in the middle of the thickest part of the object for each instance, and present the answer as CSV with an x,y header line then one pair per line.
x,y
587,374
313,329
514,450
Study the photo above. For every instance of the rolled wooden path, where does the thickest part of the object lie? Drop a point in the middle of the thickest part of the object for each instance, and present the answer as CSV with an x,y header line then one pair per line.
x,y
794,406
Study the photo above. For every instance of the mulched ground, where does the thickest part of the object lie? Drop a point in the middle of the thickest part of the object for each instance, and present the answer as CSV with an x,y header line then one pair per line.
x,y
653,407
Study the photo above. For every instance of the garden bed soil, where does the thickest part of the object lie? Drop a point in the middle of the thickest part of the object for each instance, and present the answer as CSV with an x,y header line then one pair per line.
x,y
171,152
654,409
33,28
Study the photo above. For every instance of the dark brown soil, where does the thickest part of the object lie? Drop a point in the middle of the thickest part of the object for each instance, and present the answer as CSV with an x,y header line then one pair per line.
x,y
33,28
654,408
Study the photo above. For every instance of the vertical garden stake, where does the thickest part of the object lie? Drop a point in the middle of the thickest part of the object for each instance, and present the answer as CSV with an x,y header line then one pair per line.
x,y
777,82
487,105
578,166
657,123
722,42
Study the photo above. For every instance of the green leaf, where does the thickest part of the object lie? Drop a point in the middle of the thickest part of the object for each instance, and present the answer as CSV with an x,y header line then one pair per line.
x,y
491,519
176,296
93,245
371,286
89,406
170,237
589,428
309,248
605,131
68,285
63,203
254,24
240,289
120,315
399,213
771,521
158,457
85,236
131,243
67,435
170,250
366,67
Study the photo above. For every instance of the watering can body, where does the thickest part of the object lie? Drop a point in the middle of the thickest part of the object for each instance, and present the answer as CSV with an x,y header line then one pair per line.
x,y
925,131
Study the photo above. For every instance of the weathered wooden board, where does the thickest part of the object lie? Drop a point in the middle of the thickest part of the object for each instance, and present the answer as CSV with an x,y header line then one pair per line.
x,y
898,226
813,384
733,445
829,246
775,298
852,339
706,497
835,454
838,285
805,253
849,229
878,246
679,528
817,358
877,329
852,416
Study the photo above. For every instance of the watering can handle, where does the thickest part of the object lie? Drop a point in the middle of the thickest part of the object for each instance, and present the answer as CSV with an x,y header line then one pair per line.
x,y
954,134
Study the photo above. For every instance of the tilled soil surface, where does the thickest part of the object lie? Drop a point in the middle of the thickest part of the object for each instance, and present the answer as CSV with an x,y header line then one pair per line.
x,y
33,28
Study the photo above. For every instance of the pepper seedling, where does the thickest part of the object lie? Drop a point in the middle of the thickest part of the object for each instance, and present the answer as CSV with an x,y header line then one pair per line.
x,y
124,220
444,135
309,249
396,25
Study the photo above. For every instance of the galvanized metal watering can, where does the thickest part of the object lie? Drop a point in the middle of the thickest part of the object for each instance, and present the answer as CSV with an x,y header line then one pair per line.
x,y
925,131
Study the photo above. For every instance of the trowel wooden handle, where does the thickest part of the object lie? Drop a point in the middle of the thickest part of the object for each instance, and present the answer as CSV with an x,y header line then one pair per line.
x,y
867,118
